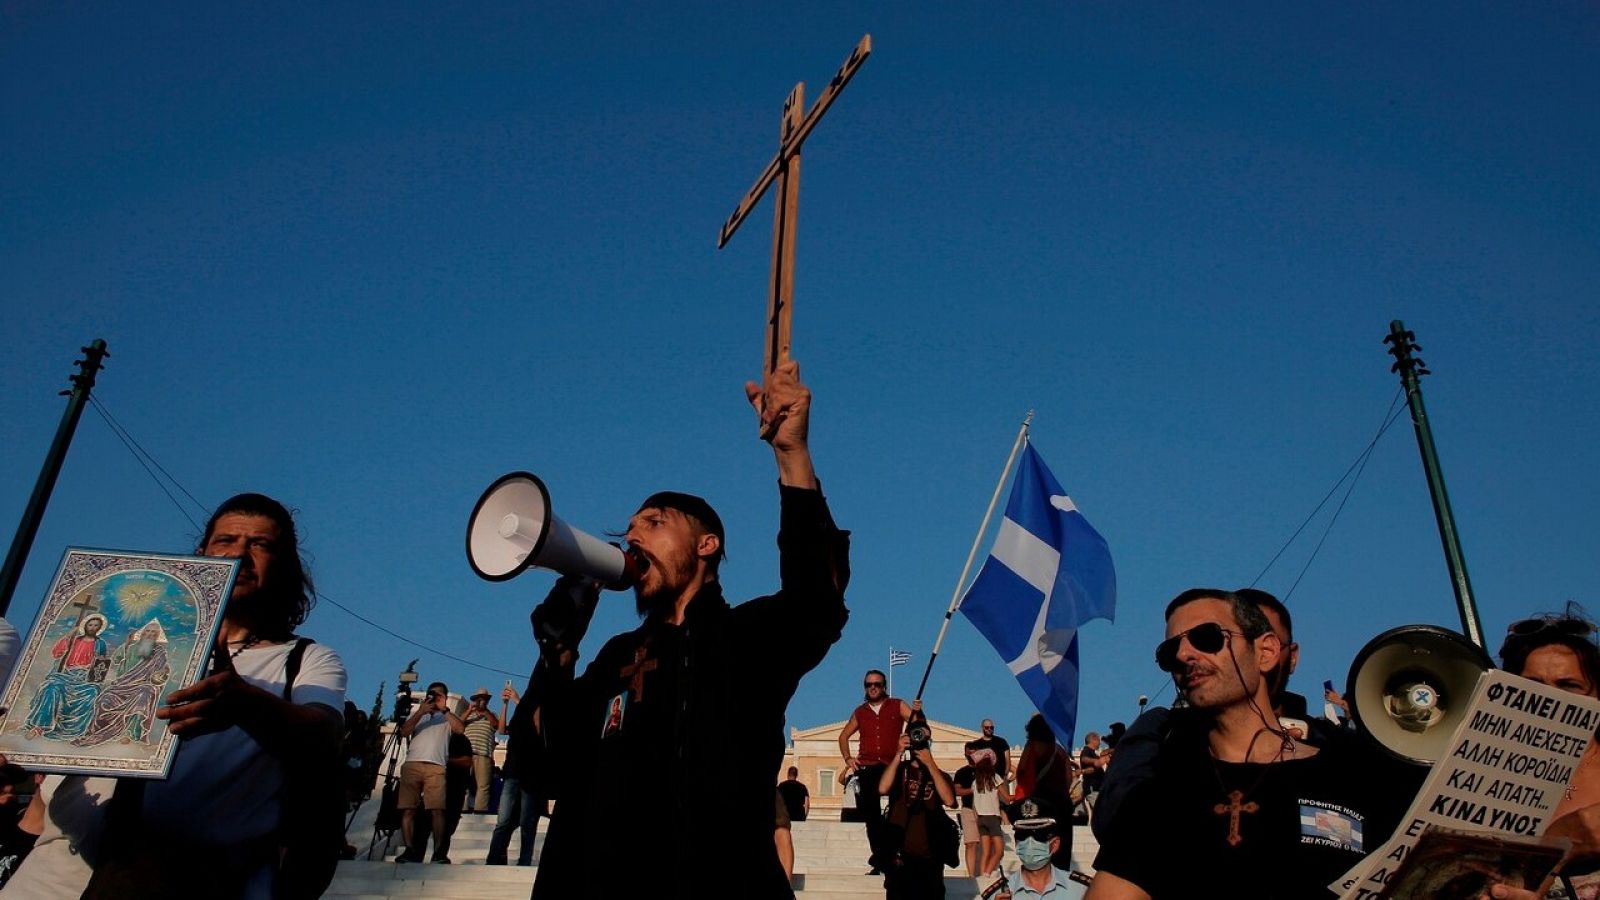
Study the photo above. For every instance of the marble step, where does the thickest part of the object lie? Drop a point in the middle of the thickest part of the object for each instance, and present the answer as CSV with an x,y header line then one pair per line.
x,y
358,880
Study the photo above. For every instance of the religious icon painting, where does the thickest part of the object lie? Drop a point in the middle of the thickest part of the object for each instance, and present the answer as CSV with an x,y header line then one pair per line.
x,y
116,634
615,710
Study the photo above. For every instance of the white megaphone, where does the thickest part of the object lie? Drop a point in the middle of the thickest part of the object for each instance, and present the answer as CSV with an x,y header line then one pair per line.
x,y
512,528
1409,688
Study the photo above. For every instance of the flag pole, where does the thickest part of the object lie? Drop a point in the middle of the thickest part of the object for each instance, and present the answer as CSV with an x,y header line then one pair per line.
x,y
890,691
955,598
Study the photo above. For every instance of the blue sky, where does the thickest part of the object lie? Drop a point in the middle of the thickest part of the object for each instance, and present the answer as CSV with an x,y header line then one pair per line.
x,y
368,259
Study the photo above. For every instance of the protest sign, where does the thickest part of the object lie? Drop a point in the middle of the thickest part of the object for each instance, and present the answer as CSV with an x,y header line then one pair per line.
x,y
1504,770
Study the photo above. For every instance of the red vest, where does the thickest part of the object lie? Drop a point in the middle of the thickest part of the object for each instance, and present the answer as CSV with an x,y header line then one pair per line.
x,y
879,732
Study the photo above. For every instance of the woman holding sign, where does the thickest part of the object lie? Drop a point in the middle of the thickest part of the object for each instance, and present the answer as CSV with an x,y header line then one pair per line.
x,y
1560,651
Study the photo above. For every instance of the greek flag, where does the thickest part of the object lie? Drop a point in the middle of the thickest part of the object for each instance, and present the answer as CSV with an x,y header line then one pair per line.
x,y
1047,574
898,657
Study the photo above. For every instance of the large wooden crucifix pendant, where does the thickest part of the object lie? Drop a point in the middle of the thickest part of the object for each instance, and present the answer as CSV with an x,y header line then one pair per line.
x,y
639,666
784,169
1232,809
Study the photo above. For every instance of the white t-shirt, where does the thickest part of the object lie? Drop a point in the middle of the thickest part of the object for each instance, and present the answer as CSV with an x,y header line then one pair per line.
x,y
986,803
430,740
224,789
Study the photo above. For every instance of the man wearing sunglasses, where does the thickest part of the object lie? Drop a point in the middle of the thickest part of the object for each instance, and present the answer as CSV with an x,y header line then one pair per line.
x,y
995,743
1038,839
1232,793
1138,746
878,720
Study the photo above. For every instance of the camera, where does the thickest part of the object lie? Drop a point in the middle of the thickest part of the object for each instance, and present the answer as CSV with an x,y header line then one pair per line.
x,y
921,735
403,699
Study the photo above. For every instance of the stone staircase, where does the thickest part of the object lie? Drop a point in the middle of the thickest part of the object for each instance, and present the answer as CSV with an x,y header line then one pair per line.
x,y
829,865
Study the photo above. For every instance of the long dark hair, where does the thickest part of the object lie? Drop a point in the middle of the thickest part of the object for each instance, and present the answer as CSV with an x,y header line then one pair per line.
x,y
985,769
291,595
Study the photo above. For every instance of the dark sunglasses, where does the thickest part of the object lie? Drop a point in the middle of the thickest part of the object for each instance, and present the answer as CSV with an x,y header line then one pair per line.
x,y
1207,638
872,684
1560,625
1038,834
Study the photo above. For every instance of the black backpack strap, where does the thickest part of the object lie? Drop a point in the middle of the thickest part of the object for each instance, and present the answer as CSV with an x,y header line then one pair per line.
x,y
291,665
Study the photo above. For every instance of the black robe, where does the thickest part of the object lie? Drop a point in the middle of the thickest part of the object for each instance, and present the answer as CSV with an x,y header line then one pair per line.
x,y
678,801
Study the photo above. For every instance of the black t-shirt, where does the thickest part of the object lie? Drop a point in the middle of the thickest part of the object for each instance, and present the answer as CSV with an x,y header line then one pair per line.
x,y
1301,825
794,796
458,780
1092,777
964,778
1002,765
913,805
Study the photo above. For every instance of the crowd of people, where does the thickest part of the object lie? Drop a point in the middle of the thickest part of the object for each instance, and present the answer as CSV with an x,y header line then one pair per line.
x,y
674,729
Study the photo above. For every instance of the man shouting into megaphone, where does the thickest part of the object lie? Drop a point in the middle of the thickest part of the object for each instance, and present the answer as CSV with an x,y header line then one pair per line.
x,y
667,743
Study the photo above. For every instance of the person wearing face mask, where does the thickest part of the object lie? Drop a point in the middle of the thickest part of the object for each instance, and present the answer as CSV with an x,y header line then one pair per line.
x,y
1038,839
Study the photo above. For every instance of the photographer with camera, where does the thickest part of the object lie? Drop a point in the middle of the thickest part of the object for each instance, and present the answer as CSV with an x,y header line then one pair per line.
x,y
918,839
879,720
423,775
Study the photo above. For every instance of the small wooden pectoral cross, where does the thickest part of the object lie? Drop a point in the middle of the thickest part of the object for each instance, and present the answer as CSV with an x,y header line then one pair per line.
x,y
635,672
1232,809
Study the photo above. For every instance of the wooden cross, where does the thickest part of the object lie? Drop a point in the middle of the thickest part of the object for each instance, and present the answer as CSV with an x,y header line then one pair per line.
x,y
636,670
1232,810
785,170
85,605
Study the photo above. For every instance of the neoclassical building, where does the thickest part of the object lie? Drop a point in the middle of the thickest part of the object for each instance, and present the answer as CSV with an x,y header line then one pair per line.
x,y
815,752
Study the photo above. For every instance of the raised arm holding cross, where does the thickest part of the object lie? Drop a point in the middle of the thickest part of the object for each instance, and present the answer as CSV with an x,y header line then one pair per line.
x,y
784,168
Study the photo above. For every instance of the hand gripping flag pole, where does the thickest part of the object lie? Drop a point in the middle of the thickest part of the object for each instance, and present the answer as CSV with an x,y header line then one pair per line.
x,y
961,583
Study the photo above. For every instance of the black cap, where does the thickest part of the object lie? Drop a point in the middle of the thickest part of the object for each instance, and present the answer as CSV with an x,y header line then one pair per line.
x,y
1035,813
694,507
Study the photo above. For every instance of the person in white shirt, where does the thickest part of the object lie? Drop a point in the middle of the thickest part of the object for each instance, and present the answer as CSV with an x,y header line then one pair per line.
x,y
215,821
988,793
422,776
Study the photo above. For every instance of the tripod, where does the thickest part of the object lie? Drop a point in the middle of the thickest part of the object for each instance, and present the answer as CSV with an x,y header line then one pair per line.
x,y
387,821
388,818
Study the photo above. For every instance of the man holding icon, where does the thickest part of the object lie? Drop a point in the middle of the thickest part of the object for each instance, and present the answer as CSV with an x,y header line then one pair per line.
x,y
232,820
701,687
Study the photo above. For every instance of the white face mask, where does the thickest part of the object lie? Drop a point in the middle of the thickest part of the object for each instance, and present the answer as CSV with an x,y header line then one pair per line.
x,y
1033,853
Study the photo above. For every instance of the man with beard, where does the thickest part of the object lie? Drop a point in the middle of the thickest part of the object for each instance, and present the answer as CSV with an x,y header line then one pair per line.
x,y
702,689
262,726
1137,749
1233,792
879,720
127,703
64,704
